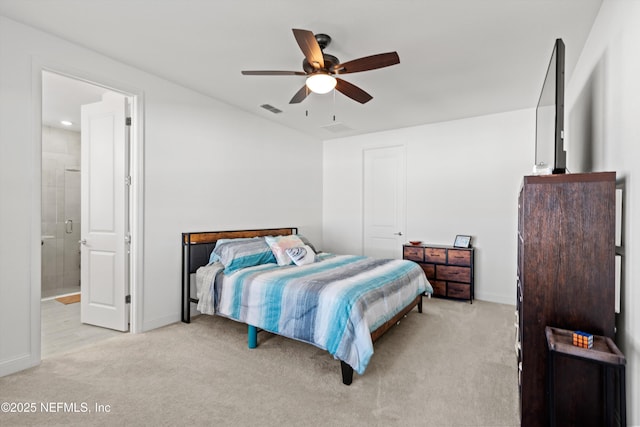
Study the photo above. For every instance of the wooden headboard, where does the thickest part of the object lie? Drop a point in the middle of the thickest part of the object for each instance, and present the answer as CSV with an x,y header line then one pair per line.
x,y
197,247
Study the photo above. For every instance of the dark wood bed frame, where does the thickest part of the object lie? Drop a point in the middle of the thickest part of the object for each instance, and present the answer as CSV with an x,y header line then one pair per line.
x,y
196,248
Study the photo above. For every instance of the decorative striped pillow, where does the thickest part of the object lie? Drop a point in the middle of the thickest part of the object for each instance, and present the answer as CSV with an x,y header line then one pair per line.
x,y
241,253
279,244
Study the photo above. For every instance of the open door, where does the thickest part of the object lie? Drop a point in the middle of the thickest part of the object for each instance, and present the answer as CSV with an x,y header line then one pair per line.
x,y
104,211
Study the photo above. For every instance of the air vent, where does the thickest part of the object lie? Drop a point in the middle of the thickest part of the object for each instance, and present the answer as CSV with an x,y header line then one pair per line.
x,y
336,127
271,108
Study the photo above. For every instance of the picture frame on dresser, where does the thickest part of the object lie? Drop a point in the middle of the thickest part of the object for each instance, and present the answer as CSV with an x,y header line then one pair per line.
x,y
462,241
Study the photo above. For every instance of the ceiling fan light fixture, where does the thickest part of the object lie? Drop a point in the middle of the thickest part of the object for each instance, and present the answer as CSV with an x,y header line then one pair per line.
x,y
320,67
321,83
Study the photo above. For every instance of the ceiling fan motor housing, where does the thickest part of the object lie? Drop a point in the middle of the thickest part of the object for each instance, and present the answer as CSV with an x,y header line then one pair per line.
x,y
330,61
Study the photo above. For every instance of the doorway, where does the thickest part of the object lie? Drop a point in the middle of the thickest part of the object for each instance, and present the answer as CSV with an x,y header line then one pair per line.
x,y
63,211
384,201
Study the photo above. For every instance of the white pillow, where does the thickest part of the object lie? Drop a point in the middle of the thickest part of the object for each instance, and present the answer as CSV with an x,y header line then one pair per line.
x,y
279,244
302,255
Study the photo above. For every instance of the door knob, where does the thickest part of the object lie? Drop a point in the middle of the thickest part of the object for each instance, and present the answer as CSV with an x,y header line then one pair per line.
x,y
399,233
83,241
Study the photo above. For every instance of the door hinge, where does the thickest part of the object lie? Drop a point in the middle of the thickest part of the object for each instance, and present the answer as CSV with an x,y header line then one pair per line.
x,y
127,180
127,121
127,299
127,238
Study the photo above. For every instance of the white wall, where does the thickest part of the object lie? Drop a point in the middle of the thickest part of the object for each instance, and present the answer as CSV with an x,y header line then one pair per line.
x,y
206,166
463,177
603,106
210,167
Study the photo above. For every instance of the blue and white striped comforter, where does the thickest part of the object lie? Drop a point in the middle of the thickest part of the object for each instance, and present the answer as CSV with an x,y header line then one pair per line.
x,y
333,304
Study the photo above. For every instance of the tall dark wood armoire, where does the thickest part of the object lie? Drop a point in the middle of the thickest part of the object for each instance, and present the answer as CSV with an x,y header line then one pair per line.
x,y
566,279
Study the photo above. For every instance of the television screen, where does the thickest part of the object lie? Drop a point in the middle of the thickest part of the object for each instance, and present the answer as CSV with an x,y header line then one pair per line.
x,y
550,153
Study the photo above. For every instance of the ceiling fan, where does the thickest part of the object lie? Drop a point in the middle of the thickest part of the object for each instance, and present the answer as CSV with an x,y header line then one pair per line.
x,y
321,68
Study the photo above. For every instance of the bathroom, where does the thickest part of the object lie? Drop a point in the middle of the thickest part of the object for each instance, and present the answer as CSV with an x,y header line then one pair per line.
x,y
62,98
60,211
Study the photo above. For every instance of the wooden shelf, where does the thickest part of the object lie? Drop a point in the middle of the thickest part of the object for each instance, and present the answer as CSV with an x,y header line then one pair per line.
x,y
604,350
604,353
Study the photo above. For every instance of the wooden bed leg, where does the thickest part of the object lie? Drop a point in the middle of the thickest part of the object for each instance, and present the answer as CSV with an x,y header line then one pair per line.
x,y
252,336
420,304
347,373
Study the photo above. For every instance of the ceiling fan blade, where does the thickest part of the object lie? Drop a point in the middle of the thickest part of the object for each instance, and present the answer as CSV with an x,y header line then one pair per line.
x,y
274,73
310,47
368,63
300,95
353,91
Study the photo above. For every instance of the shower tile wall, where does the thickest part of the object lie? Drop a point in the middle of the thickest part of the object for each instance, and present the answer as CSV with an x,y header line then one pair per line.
x,y
60,203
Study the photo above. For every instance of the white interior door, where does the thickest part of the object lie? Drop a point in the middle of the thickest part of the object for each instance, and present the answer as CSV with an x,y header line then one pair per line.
x,y
104,252
384,202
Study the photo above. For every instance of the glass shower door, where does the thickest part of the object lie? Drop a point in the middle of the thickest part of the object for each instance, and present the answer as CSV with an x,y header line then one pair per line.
x,y
71,266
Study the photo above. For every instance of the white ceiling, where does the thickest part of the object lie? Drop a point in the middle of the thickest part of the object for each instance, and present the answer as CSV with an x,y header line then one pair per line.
x,y
458,58
62,98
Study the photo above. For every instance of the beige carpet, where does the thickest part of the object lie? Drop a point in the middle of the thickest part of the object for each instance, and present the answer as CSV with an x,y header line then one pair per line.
x,y
453,365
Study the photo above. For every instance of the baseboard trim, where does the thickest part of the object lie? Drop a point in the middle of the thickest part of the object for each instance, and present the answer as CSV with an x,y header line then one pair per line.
x,y
160,322
17,364
500,299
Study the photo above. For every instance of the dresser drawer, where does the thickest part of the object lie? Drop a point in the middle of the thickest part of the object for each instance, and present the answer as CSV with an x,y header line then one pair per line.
x,y
456,274
438,255
439,287
413,253
429,270
459,257
458,290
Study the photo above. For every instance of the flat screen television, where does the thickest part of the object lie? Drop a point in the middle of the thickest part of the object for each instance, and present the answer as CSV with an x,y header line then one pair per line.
x,y
550,153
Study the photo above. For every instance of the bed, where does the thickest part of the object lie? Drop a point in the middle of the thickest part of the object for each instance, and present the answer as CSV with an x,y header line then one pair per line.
x,y
340,303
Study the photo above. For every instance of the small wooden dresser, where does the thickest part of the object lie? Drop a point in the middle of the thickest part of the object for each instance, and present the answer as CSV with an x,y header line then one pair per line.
x,y
449,269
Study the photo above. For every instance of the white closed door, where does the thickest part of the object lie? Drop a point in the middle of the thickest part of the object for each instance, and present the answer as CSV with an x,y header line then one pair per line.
x,y
103,248
384,201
